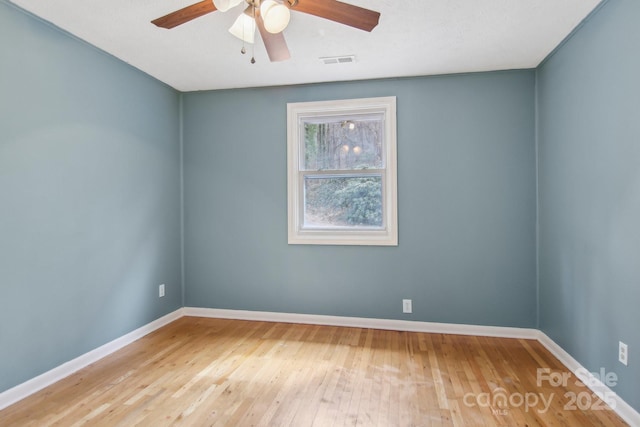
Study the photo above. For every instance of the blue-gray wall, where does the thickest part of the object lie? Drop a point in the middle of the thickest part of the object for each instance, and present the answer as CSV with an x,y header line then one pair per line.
x,y
589,183
466,191
89,198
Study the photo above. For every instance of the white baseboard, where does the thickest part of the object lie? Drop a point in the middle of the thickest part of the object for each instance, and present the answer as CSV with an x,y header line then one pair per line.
x,y
33,385
19,392
622,408
361,322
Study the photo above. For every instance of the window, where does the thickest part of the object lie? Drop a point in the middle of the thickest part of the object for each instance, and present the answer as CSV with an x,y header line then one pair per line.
x,y
342,172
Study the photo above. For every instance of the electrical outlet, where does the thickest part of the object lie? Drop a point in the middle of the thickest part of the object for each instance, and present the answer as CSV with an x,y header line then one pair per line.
x,y
623,353
161,291
406,306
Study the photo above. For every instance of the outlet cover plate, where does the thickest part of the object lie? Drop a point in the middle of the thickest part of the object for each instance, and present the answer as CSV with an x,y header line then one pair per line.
x,y
623,353
407,306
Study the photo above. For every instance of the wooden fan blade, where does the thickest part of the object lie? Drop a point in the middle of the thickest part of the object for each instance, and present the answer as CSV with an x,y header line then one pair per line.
x,y
185,14
275,43
333,10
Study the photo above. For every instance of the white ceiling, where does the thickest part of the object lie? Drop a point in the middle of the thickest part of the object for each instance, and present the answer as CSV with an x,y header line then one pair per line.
x,y
414,37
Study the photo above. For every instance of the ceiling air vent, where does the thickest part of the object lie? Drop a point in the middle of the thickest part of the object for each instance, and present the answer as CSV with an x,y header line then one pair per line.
x,y
338,59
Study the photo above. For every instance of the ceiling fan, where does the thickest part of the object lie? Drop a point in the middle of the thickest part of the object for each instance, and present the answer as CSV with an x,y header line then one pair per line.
x,y
272,17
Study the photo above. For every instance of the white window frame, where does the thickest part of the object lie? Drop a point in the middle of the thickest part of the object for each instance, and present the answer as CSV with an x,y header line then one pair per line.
x,y
387,235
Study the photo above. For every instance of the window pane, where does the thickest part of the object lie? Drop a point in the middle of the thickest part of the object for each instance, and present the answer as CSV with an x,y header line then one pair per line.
x,y
352,201
344,143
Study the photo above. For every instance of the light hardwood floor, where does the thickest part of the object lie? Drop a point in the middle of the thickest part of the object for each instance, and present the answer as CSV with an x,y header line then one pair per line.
x,y
201,372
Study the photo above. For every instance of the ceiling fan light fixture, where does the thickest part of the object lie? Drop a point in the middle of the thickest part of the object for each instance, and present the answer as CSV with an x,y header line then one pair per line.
x,y
275,16
245,27
224,5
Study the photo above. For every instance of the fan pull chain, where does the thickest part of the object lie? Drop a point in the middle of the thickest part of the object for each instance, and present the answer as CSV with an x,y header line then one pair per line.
x,y
253,47
243,50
